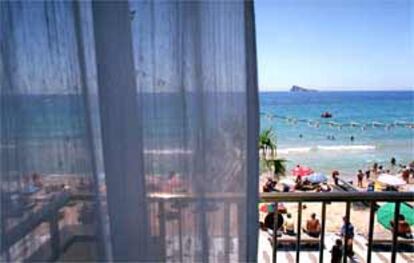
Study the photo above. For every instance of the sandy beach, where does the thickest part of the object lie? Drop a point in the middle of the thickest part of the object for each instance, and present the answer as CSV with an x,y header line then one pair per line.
x,y
335,211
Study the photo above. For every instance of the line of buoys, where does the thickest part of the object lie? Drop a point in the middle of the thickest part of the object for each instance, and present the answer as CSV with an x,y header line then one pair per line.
x,y
332,124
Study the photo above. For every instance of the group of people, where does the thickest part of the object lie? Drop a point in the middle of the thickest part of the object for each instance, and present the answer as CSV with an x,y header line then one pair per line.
x,y
379,169
376,170
313,229
306,185
300,184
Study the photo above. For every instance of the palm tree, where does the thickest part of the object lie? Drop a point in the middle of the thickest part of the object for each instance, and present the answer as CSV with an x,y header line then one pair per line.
x,y
277,165
267,142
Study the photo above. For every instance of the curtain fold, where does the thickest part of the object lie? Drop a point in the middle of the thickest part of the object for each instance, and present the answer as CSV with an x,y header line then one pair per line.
x,y
47,160
134,124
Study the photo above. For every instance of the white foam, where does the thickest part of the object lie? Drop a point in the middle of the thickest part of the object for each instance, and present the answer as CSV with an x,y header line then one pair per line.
x,y
293,150
347,147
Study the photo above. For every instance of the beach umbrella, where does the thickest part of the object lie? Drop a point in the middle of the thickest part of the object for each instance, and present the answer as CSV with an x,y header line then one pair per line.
x,y
301,171
270,207
317,178
385,214
391,180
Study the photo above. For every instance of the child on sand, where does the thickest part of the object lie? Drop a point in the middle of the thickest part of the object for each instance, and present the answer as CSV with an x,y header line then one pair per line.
x,y
336,252
347,232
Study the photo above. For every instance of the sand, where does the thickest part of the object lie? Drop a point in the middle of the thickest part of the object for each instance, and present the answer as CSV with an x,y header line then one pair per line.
x,y
334,212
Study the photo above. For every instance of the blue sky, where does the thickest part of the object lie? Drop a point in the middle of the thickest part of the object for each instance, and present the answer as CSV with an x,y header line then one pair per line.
x,y
335,44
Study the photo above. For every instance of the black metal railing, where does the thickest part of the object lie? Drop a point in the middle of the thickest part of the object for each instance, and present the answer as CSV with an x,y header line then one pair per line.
x,y
164,201
206,204
348,198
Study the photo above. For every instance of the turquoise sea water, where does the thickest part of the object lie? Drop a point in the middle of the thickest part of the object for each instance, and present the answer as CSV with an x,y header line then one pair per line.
x,y
47,132
300,142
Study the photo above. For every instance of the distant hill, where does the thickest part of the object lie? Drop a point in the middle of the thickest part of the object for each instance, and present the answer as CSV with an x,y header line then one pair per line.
x,y
300,89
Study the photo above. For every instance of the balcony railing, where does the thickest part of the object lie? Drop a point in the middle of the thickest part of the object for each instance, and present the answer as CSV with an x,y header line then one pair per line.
x,y
371,198
47,212
228,205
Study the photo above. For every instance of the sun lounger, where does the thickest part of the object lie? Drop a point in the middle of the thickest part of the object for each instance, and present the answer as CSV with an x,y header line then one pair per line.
x,y
284,239
383,242
386,241
386,237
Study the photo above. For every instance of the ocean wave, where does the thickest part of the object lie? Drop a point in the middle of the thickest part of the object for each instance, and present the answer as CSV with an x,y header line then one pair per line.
x,y
294,150
291,150
347,147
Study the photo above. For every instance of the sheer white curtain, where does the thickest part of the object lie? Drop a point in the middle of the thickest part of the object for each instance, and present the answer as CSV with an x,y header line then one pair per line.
x,y
144,115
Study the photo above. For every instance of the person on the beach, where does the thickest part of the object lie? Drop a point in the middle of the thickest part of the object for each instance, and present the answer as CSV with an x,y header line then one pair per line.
x,y
336,252
313,227
347,231
375,169
380,169
269,220
393,161
289,225
270,186
324,187
298,183
404,229
410,167
335,176
307,185
406,175
367,174
371,187
360,177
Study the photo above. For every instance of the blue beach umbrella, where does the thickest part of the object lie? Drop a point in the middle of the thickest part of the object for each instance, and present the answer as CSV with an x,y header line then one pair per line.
x,y
317,178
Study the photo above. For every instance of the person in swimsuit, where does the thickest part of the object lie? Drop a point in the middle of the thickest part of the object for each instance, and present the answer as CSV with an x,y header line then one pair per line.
x,y
404,229
313,226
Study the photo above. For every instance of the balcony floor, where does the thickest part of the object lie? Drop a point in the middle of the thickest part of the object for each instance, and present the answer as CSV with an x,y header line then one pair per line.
x,y
360,249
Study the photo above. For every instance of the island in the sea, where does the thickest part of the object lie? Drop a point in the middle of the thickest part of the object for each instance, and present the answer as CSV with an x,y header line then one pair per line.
x,y
300,89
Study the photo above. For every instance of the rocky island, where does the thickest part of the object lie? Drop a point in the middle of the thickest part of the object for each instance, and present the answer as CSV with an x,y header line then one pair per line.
x,y
300,89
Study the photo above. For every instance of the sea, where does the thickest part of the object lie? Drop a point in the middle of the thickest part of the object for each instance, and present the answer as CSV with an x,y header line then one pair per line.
x,y
365,127
47,134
